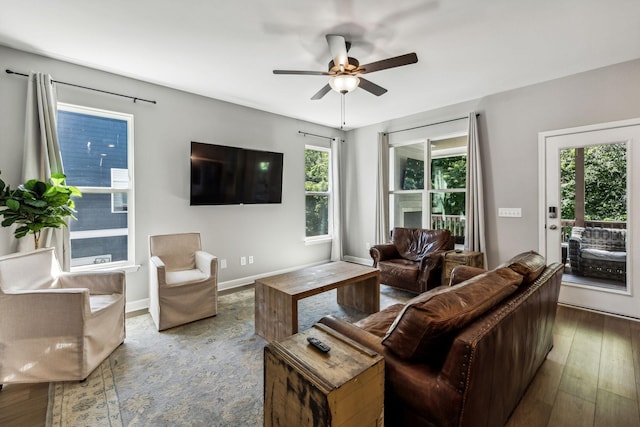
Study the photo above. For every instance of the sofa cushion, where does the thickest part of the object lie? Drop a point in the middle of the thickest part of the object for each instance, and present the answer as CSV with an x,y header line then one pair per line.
x,y
603,255
432,315
528,264
403,269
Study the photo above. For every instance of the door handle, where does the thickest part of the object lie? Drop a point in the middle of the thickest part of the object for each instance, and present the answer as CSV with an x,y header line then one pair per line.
x,y
553,227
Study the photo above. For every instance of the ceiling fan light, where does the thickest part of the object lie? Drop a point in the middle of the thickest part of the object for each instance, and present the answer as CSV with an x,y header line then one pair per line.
x,y
344,83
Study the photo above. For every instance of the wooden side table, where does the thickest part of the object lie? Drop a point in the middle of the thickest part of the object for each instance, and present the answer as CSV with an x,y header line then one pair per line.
x,y
305,387
453,259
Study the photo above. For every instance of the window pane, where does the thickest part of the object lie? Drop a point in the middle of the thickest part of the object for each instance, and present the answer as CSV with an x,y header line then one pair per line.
x,y
91,146
317,215
449,172
98,231
98,250
408,210
316,170
95,213
447,212
408,167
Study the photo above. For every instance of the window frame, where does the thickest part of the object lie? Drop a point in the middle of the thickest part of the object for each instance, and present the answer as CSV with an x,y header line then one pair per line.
x,y
329,193
129,191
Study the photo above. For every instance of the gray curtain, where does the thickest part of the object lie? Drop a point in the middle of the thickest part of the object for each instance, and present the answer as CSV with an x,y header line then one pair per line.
x,y
42,154
382,187
474,230
336,243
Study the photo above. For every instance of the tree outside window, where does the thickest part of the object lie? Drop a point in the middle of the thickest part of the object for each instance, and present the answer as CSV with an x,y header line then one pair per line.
x,y
317,191
605,177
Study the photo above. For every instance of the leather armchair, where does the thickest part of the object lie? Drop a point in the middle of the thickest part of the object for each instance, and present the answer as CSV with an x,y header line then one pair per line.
x,y
413,259
183,280
56,326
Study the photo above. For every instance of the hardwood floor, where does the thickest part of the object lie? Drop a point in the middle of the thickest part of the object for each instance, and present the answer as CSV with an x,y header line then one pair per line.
x,y
23,405
590,378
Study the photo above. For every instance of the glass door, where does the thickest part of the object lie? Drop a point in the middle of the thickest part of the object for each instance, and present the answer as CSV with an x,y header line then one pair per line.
x,y
587,226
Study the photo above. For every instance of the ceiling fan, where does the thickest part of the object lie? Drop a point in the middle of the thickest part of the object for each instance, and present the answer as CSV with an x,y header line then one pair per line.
x,y
345,71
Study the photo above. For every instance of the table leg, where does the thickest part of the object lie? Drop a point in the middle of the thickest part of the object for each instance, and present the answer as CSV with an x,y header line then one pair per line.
x,y
363,295
276,313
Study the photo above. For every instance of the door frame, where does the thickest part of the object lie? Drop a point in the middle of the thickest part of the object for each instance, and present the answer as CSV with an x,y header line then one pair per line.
x,y
576,292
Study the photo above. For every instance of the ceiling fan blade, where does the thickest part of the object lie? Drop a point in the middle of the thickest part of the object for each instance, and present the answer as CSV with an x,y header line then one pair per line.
x,y
397,61
305,73
371,87
322,92
338,48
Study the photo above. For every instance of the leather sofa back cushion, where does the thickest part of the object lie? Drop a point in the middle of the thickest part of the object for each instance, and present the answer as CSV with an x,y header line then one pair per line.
x,y
529,264
415,243
434,314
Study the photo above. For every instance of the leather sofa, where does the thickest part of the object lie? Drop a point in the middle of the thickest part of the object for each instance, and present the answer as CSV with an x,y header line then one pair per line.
x,y
413,259
599,252
463,355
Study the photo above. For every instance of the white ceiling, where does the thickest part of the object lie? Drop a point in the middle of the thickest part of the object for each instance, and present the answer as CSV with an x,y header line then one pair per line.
x,y
227,49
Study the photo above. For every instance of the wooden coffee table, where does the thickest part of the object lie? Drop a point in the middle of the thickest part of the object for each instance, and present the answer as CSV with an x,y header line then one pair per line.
x,y
276,307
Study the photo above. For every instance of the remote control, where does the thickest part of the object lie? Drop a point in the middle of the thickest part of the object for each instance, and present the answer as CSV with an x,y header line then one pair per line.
x,y
318,344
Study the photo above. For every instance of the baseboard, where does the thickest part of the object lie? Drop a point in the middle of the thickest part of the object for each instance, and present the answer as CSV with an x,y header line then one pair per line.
x,y
143,304
363,261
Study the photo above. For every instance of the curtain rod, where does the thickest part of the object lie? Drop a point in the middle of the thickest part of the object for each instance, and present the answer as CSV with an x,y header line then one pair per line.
x,y
430,124
135,98
319,136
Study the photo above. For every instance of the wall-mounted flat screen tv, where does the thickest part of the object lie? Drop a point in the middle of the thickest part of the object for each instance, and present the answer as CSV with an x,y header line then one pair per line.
x,y
222,175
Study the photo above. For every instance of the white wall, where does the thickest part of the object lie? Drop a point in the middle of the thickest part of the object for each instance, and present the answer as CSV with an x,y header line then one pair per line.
x,y
273,234
509,124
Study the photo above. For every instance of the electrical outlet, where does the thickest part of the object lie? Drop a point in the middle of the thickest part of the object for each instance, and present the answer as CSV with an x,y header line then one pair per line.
x,y
250,259
510,212
223,263
243,260
368,245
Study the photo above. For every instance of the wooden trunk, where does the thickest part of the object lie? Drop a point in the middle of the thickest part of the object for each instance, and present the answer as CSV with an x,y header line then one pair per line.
x,y
453,259
305,387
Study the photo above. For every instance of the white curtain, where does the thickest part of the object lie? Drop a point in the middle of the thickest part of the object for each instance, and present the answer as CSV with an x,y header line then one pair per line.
x,y
382,187
42,154
474,230
336,245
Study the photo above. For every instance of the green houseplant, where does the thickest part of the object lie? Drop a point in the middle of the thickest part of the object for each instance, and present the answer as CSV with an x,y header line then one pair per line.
x,y
36,205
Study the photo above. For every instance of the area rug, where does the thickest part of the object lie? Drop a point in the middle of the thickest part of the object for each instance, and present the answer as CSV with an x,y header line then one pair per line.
x,y
206,373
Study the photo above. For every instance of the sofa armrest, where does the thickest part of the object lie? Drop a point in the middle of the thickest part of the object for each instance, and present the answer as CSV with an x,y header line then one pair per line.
x,y
207,263
430,266
357,334
383,252
575,247
69,307
462,273
157,272
408,384
97,282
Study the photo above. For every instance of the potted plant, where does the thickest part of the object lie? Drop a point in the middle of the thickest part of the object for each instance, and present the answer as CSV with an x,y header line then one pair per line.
x,y
36,205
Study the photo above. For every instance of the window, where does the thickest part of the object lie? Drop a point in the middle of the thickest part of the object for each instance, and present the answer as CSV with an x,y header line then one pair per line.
x,y
317,192
97,153
437,202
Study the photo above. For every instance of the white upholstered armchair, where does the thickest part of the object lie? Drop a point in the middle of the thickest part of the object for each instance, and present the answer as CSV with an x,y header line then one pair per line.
x,y
56,326
183,280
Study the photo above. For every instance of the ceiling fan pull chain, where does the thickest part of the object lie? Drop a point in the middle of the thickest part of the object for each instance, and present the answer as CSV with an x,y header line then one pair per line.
x,y
343,120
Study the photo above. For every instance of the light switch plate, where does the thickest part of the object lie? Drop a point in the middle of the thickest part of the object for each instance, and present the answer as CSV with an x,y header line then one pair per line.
x,y
510,212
